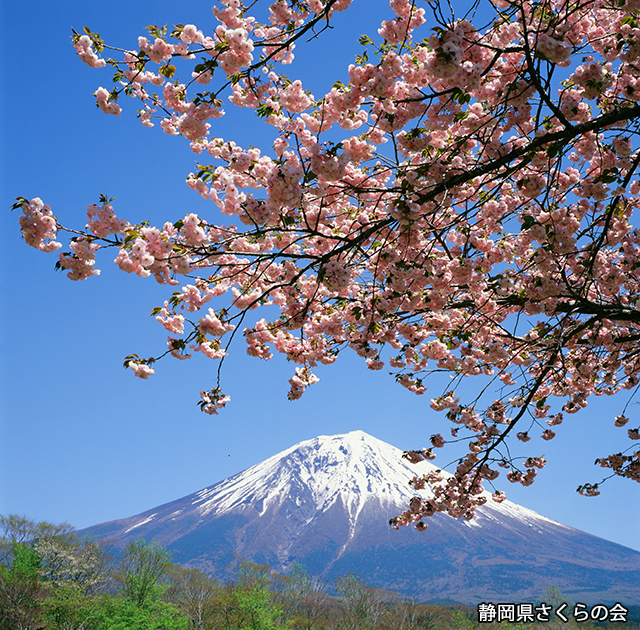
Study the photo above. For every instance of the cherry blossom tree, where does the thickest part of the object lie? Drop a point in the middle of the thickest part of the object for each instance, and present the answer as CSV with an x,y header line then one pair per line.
x,y
464,204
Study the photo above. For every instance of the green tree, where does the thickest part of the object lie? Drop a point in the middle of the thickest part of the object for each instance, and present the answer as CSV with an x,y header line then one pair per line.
x,y
141,578
21,592
141,571
47,574
402,614
50,578
195,595
428,616
361,605
67,608
248,602
460,620
304,601
555,597
83,563
121,613
75,571
15,528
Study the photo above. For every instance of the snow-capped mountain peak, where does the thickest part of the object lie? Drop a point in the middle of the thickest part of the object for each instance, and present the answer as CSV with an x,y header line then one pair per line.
x,y
353,467
326,502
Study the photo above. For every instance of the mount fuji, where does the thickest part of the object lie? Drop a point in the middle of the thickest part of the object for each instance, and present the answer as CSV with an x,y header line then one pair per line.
x,y
326,503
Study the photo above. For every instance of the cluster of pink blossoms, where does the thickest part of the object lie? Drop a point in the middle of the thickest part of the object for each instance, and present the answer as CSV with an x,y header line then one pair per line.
x,y
552,48
84,48
141,370
445,210
81,262
38,225
103,220
158,52
105,102
300,381
211,402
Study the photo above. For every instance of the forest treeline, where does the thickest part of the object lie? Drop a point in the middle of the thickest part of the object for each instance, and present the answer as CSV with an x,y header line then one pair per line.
x,y
52,578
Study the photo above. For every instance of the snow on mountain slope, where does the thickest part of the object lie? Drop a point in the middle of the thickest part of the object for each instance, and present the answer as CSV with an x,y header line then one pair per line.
x,y
313,476
327,501
354,467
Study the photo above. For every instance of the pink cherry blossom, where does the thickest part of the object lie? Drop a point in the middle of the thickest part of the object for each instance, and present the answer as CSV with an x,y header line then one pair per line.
x,y
463,200
141,370
104,102
84,48
38,225
620,421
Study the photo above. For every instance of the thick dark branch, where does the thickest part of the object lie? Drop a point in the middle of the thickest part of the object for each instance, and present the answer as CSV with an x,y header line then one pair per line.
x,y
614,312
563,136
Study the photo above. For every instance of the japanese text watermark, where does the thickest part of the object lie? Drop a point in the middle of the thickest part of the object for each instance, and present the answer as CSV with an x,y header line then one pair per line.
x,y
531,613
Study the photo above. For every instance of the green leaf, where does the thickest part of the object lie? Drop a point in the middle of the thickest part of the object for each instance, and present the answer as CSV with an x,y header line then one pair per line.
x,y
129,358
608,176
554,149
264,111
460,97
18,203
177,30
167,71
153,29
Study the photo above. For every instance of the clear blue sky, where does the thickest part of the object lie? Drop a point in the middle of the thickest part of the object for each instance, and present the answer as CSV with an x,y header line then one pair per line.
x,y
82,440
